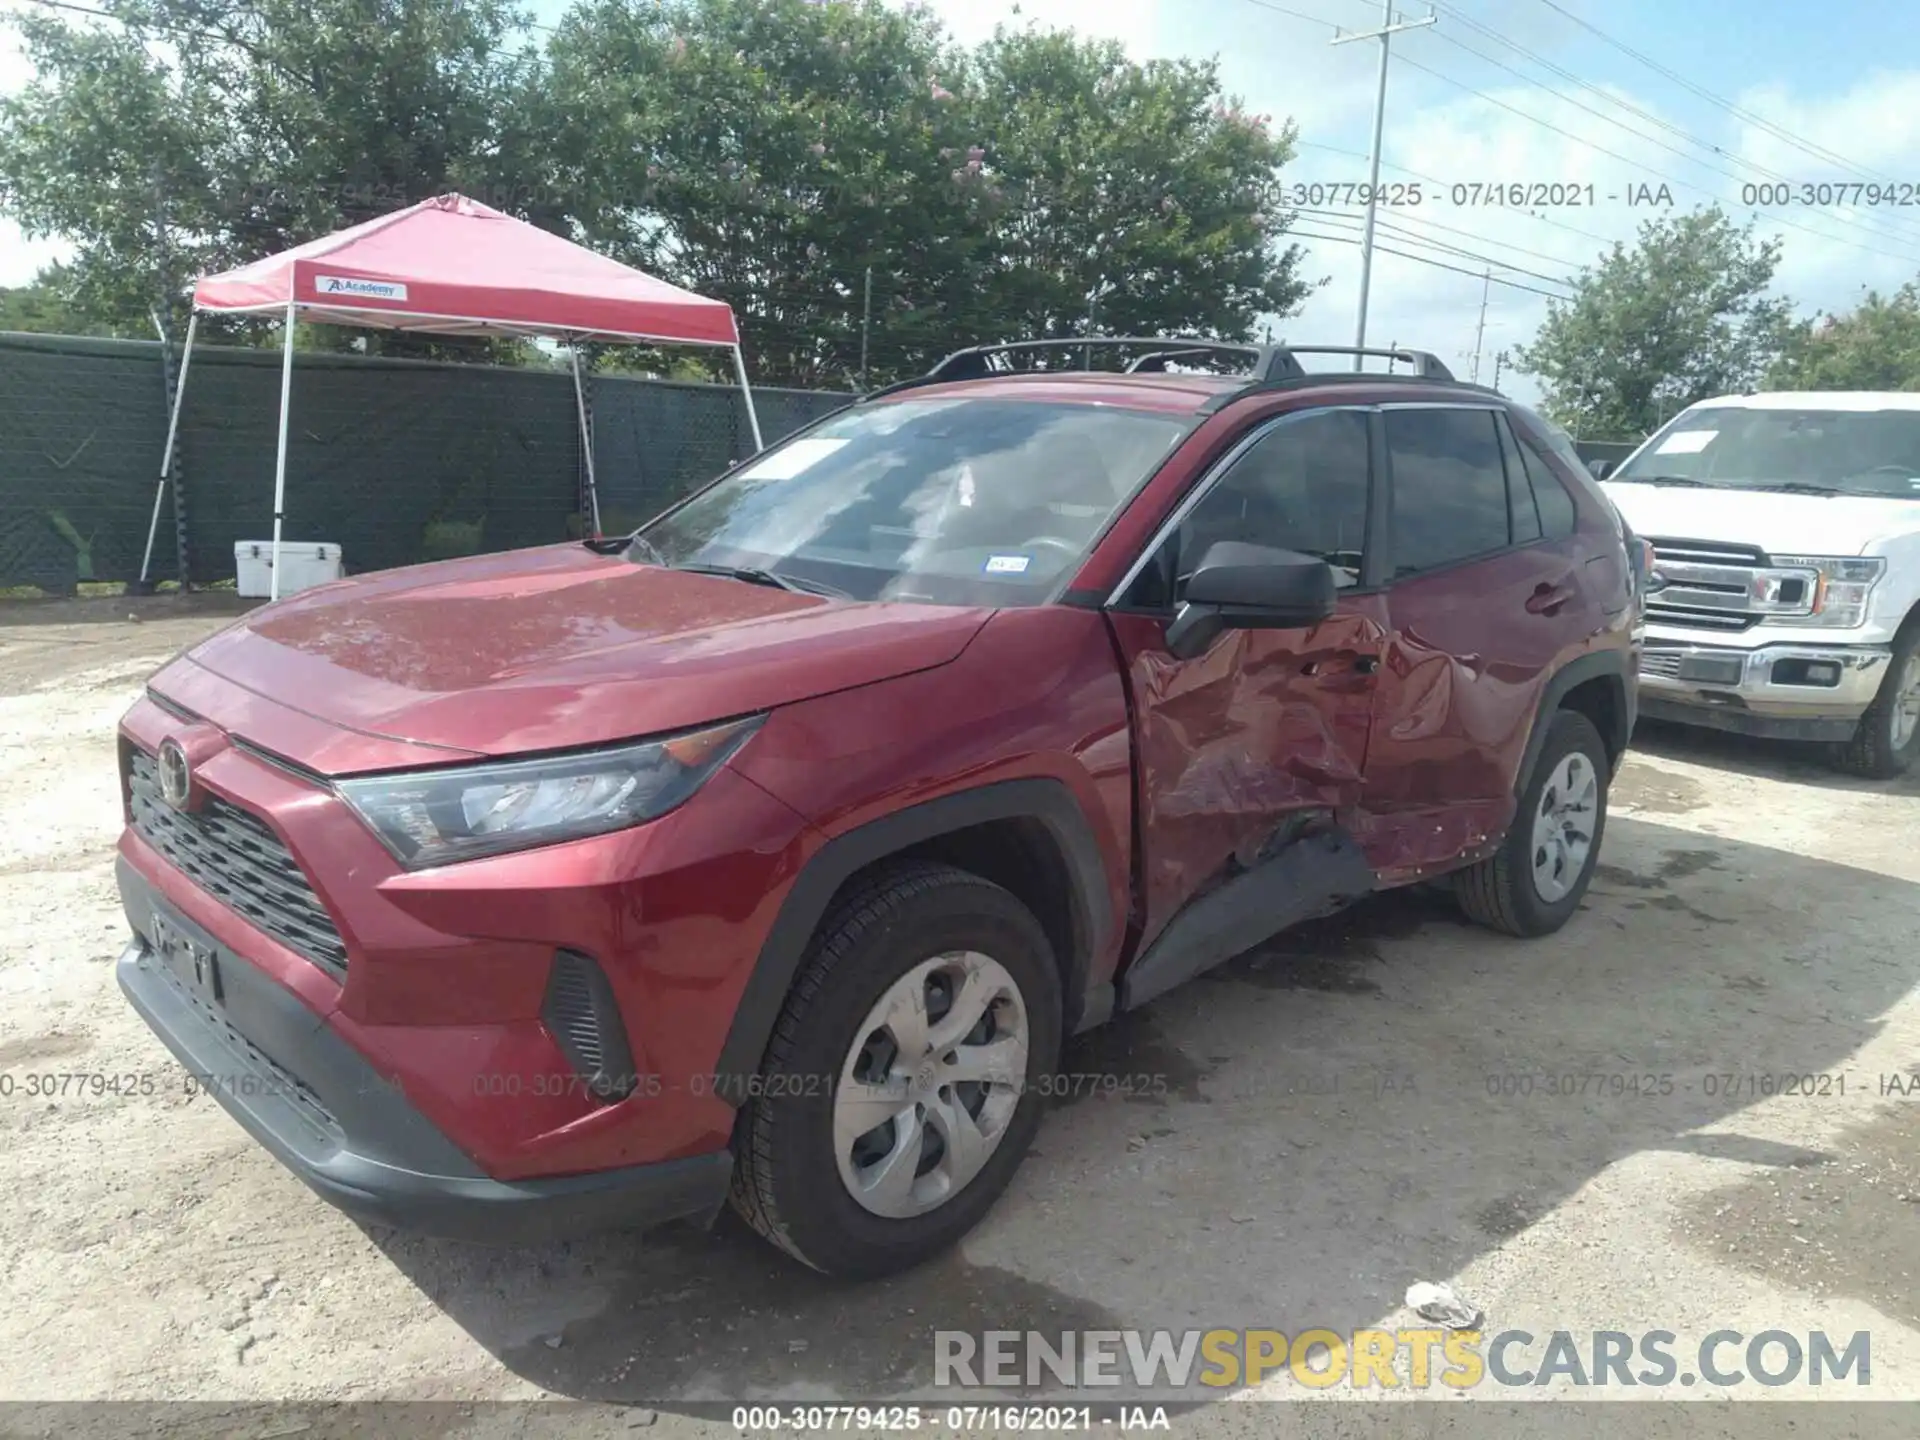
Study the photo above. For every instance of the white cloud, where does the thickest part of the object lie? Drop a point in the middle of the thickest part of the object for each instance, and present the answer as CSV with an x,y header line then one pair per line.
x,y
1874,126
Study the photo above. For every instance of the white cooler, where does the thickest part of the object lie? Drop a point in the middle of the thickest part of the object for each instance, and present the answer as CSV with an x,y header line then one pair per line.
x,y
303,564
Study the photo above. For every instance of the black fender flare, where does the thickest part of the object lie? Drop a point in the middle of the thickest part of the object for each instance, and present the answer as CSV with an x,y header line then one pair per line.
x,y
1615,665
1046,801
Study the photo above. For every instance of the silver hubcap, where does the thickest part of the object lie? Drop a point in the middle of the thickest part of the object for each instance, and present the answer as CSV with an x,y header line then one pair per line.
x,y
931,1084
1563,828
1906,703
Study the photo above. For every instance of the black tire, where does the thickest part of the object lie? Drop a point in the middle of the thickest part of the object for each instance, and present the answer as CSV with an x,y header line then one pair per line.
x,y
786,1181
1499,892
1871,753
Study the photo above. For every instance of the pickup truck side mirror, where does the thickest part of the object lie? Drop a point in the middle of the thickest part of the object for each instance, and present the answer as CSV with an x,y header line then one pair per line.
x,y
1600,469
1238,586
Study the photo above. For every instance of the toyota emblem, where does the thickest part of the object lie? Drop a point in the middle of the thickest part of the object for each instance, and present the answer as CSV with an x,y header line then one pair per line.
x,y
176,775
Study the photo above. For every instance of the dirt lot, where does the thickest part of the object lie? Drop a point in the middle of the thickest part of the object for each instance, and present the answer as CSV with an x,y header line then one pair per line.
x,y
1334,1128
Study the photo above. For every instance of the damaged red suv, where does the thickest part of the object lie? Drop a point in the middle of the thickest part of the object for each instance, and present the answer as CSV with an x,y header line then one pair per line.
x,y
773,851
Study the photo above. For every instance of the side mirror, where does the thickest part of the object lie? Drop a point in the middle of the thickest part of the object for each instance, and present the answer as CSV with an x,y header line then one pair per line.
x,y
1249,587
1600,469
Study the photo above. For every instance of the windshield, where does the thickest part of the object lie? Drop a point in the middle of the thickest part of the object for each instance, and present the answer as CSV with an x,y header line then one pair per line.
x,y
1851,452
962,502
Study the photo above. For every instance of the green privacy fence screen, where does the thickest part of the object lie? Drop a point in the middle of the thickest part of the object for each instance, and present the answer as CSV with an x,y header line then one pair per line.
x,y
394,460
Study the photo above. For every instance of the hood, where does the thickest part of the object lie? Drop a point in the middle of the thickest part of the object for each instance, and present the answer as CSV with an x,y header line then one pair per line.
x,y
1779,524
558,647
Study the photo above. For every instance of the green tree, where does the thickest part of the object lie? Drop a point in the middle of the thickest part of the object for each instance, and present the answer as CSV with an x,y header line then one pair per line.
x,y
1876,346
43,307
1681,316
198,134
773,152
1141,185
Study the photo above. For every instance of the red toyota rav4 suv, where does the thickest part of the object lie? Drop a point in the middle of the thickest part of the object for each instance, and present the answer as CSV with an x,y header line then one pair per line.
x,y
774,850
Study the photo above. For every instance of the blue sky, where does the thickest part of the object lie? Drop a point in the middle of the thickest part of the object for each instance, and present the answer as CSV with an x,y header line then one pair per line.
x,y
1831,91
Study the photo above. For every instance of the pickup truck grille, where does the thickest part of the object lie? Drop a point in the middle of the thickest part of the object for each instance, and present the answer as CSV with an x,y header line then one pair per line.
x,y
1663,663
235,857
1709,585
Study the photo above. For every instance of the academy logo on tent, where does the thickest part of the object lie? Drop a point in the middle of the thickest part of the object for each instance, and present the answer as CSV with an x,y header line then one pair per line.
x,y
359,289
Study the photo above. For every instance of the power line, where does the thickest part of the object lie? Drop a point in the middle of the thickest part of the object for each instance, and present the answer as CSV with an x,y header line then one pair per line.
x,y
1403,218
1296,14
1616,155
1819,152
1334,217
1442,185
1424,260
1902,235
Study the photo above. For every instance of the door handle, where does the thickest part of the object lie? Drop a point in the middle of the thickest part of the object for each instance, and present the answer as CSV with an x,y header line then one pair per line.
x,y
1356,664
1546,599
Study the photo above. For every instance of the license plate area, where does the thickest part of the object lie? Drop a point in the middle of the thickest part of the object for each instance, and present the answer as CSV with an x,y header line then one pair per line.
x,y
188,953
1712,669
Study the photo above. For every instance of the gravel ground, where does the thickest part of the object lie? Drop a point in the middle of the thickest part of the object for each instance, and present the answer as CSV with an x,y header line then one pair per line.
x,y
1343,1114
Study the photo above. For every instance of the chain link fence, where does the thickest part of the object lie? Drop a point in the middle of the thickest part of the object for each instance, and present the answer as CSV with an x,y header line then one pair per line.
x,y
396,461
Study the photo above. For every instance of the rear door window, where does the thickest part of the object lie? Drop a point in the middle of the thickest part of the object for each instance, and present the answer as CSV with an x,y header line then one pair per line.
x,y
1449,487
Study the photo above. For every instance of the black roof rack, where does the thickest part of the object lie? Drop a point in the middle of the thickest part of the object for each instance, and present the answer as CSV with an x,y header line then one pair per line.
x,y
1263,363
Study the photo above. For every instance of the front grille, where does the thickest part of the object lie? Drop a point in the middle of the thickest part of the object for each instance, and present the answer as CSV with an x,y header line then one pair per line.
x,y
236,858
1709,585
1664,663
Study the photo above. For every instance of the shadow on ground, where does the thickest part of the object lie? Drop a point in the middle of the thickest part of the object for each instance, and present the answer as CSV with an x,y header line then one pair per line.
x,y
1359,1104
1801,762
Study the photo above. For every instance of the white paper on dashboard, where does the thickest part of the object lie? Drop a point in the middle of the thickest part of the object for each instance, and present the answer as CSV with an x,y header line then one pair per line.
x,y
1686,442
790,460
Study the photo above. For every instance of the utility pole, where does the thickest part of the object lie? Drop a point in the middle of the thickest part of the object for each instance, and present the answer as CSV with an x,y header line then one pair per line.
x,y
866,326
1384,34
1499,359
1480,330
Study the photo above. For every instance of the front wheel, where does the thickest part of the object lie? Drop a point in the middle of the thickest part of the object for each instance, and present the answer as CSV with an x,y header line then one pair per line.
x,y
1887,742
1535,881
902,1085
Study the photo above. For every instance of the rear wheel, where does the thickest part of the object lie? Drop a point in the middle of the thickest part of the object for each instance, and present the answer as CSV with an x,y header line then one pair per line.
x,y
1536,880
1887,742
900,1088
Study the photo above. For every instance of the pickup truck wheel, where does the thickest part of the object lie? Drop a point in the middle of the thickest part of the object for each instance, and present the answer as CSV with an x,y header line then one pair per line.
x,y
1536,880
901,1088
1887,742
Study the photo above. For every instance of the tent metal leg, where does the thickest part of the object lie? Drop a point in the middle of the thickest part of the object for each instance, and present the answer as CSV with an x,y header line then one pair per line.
x,y
280,461
166,456
746,392
586,444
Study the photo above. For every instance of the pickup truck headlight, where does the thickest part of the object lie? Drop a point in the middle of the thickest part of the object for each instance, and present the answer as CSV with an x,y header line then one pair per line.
x,y
1840,593
435,817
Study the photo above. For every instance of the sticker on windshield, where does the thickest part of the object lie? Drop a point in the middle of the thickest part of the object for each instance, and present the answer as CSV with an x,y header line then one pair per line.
x,y
789,460
1686,442
1008,564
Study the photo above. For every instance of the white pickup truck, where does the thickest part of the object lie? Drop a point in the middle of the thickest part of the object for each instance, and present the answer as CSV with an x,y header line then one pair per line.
x,y
1786,597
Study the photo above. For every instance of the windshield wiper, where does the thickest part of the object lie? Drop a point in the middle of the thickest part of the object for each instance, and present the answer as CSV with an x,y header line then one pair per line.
x,y
755,575
1662,480
620,544
1798,487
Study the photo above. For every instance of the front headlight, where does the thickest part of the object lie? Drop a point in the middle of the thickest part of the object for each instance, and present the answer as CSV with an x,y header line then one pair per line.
x,y
434,817
1841,591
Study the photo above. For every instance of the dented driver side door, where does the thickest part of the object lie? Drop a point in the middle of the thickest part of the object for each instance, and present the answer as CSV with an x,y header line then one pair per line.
x,y
1250,756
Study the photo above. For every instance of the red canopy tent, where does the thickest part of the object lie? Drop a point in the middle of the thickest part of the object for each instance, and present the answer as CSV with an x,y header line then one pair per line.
x,y
452,266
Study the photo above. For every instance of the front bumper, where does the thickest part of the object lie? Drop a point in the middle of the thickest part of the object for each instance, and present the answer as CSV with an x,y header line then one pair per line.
x,y
349,1132
1781,691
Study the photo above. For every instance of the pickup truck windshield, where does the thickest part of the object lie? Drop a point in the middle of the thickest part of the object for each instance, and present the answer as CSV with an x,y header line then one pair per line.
x,y
962,501
1845,452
